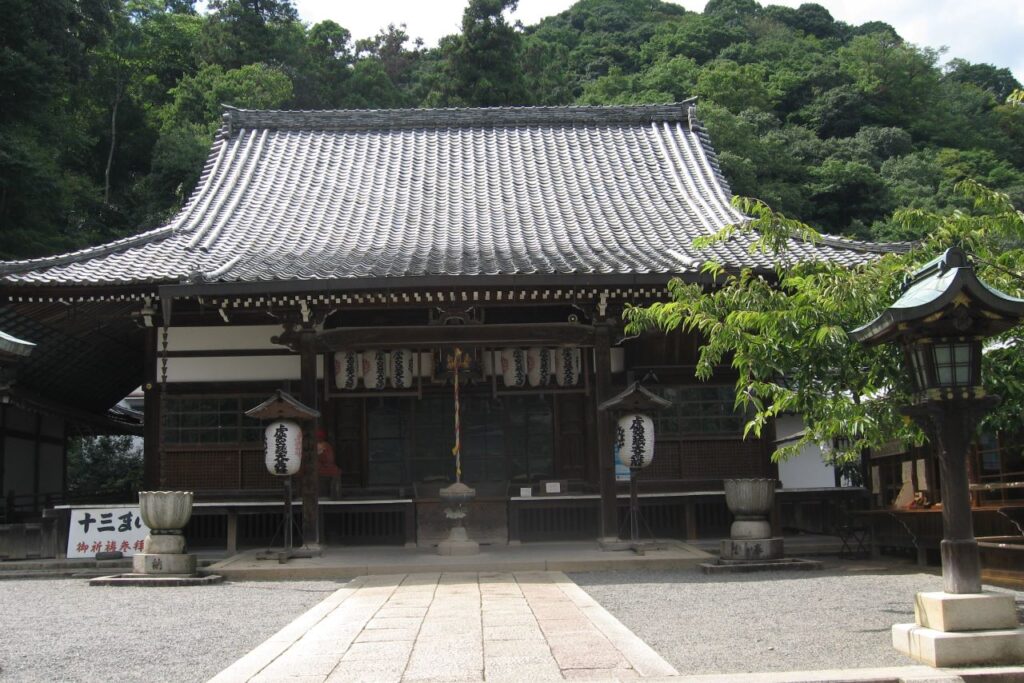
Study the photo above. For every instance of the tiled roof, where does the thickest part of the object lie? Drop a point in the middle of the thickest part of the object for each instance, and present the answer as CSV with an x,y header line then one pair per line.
x,y
298,195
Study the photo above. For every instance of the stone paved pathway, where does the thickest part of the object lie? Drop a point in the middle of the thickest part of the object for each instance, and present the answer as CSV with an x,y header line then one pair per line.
x,y
467,626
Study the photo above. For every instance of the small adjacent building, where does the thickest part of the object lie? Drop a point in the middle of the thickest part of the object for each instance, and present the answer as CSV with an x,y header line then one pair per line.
x,y
343,256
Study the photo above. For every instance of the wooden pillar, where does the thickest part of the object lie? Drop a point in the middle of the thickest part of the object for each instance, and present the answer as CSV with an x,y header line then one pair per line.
x,y
310,487
151,412
603,442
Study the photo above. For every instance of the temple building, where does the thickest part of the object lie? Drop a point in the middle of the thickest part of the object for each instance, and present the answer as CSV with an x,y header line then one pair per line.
x,y
344,256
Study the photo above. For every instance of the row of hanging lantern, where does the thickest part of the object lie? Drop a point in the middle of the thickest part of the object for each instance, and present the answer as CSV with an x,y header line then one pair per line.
x,y
536,366
517,367
376,369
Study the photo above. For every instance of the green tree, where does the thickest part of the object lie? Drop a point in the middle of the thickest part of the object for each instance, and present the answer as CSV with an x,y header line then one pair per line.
x,y
482,64
104,466
785,334
241,32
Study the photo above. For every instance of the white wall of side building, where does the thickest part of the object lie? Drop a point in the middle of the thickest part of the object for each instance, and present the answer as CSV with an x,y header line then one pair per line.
x,y
806,470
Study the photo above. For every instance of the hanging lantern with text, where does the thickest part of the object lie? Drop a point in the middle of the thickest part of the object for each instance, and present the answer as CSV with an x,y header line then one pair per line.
x,y
538,366
513,367
634,440
346,369
567,366
282,447
401,368
374,369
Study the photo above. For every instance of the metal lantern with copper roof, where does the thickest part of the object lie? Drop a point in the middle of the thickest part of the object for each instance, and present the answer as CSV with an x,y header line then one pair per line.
x,y
940,321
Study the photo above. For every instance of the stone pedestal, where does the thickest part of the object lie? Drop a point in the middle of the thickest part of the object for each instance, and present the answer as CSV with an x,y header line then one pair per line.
x,y
164,563
458,543
751,546
756,549
962,629
457,496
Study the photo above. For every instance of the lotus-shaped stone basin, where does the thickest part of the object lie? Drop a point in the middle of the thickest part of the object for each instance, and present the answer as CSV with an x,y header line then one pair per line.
x,y
165,510
750,497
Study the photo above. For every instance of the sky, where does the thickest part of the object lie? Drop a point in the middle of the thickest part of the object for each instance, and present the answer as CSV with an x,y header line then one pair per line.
x,y
988,31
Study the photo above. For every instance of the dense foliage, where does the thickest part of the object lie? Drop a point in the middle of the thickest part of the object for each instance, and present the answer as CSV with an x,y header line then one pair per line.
x,y
786,335
107,107
104,466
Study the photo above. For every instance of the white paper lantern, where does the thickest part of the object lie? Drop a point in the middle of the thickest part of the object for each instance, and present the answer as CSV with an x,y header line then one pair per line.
x,y
346,369
426,364
634,440
375,369
567,366
513,367
282,447
539,366
402,372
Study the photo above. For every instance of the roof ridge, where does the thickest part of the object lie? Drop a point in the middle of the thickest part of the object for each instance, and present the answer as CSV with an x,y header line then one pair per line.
x,y
841,242
456,117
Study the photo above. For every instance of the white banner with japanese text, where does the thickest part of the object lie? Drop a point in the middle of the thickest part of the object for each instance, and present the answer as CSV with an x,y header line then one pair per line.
x,y
95,530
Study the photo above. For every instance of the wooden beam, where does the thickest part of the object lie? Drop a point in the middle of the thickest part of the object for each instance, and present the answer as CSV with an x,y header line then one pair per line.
x,y
451,335
603,440
309,475
151,411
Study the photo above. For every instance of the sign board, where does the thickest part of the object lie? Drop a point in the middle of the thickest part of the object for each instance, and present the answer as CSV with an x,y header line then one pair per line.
x,y
95,530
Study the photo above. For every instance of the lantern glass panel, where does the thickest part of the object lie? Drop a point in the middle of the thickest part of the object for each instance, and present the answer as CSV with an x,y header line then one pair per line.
x,y
952,364
943,365
962,359
920,368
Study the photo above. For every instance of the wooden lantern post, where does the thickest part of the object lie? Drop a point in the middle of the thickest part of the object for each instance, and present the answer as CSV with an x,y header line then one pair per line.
x,y
635,444
283,449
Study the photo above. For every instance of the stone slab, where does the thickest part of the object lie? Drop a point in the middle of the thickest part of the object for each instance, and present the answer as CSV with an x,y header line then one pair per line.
x,y
155,581
788,564
965,648
338,639
965,612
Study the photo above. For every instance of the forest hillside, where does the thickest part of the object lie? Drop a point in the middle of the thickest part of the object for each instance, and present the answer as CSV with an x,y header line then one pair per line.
x,y
108,107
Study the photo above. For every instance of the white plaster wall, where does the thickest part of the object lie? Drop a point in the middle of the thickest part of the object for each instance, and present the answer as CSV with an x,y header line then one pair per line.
x,y
806,470
235,369
228,337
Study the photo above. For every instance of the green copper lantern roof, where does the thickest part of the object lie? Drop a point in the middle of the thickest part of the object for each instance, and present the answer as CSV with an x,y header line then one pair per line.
x,y
944,286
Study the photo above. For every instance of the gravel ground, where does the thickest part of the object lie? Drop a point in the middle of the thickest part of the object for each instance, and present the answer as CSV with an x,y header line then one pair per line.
x,y
66,630
775,621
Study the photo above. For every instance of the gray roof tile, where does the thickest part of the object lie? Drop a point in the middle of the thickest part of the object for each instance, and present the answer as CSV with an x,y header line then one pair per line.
x,y
291,195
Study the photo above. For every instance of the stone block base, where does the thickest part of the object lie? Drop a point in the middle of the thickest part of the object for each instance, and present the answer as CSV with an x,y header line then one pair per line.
x,y
747,566
450,547
756,549
160,564
965,648
965,611
155,581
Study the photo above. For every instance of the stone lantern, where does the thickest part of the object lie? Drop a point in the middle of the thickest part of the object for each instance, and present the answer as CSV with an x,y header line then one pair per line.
x,y
282,449
634,442
940,321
